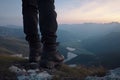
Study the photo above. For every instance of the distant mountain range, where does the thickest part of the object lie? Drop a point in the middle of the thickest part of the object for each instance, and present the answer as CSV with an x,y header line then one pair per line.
x,y
88,30
97,44
8,31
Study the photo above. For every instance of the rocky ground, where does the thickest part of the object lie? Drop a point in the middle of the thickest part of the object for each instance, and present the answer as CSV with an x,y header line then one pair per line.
x,y
8,71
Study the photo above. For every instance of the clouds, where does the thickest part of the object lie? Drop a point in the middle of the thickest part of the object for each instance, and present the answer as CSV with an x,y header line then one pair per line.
x,y
92,11
69,11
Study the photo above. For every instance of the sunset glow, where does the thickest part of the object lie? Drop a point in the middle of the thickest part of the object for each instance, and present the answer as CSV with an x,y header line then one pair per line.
x,y
100,11
69,11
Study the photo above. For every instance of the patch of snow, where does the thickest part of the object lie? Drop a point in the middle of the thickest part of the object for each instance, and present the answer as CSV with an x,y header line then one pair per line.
x,y
17,55
33,74
26,57
112,75
72,65
70,56
70,49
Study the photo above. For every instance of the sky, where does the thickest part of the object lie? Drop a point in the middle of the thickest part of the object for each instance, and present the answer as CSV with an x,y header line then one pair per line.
x,y
68,11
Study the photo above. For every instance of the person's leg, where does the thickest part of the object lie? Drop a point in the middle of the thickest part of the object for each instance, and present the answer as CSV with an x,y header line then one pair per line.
x,y
48,28
30,22
48,23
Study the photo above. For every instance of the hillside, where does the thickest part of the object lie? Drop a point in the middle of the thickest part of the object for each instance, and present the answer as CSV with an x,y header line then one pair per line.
x,y
96,41
12,41
13,46
105,44
108,45
65,72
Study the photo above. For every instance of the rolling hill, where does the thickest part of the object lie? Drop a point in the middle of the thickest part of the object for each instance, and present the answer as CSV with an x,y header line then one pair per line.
x,y
13,46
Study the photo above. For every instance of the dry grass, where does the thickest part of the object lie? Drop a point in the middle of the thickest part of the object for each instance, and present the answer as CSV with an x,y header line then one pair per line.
x,y
5,62
78,73
63,73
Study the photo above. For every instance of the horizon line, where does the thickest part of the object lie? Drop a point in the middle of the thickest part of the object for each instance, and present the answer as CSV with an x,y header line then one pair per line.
x,y
68,23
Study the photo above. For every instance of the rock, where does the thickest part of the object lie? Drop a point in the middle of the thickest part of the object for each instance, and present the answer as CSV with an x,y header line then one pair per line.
x,y
31,74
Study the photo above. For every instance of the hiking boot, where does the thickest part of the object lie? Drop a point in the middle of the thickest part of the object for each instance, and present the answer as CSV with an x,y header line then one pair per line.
x,y
51,59
35,52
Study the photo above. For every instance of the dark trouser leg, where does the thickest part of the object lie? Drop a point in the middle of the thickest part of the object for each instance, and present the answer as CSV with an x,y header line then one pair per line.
x,y
48,24
48,28
30,22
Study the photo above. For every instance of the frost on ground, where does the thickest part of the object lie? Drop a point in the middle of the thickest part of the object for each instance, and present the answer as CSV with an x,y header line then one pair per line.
x,y
35,74
111,75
